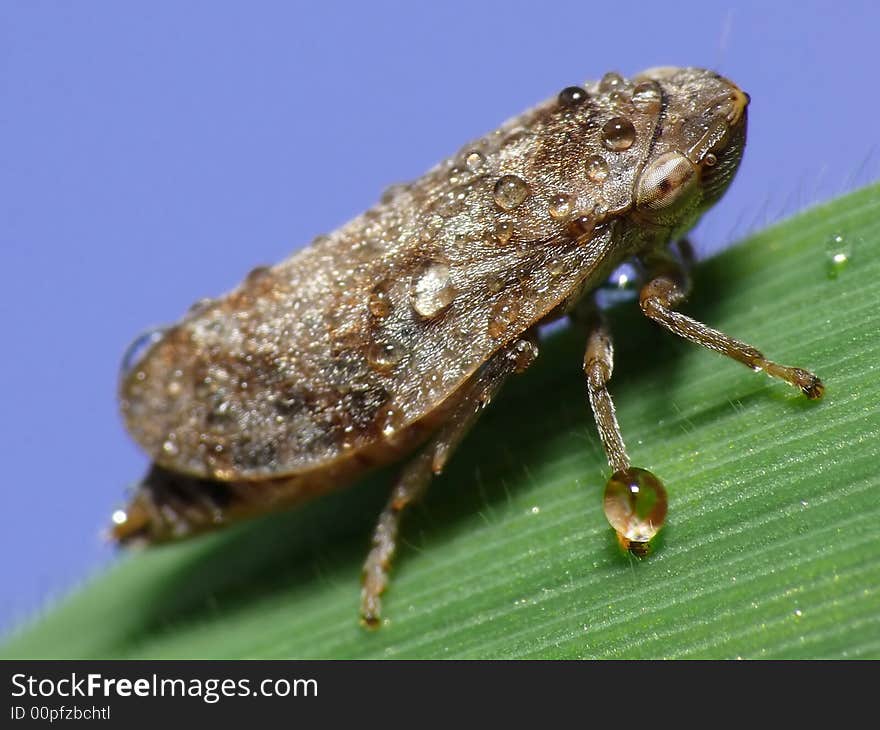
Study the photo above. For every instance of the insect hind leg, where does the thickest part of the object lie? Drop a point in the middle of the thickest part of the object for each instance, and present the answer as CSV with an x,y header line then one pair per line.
x,y
429,462
411,484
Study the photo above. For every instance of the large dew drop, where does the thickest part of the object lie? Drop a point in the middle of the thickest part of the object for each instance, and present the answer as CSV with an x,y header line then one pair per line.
x,y
433,291
572,96
560,206
475,161
618,134
647,97
635,506
510,191
611,81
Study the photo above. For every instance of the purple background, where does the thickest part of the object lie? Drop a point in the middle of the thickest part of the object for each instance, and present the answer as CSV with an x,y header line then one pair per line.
x,y
152,153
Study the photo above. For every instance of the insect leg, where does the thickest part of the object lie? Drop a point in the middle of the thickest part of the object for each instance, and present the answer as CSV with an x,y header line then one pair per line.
x,y
665,291
417,475
635,499
411,484
686,253
598,366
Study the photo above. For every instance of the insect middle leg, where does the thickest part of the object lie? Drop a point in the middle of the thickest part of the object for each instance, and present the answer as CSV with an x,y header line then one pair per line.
x,y
669,287
417,475
635,499
598,366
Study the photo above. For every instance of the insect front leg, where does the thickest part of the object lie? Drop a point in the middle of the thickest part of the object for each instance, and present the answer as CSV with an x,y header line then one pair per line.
x,y
430,461
669,286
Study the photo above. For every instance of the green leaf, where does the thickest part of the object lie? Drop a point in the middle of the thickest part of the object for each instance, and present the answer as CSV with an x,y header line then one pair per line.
x,y
772,544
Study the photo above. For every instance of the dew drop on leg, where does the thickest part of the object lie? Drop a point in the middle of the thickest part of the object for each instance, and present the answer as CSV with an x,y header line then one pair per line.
x,y
635,506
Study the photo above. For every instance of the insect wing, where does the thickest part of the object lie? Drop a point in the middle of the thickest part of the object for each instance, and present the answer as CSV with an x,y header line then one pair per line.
x,y
372,328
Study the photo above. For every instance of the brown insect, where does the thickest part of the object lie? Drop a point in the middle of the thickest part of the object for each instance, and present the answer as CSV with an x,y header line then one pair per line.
x,y
388,337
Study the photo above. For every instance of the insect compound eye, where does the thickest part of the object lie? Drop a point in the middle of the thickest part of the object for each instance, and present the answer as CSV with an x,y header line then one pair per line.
x,y
665,181
720,162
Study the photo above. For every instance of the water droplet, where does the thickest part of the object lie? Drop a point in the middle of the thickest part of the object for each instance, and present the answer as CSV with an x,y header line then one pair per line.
x,y
512,135
433,291
475,161
389,420
199,306
560,206
647,97
502,316
581,226
450,203
221,410
503,231
620,287
635,506
379,302
257,273
625,277
136,351
597,168
523,355
838,255
392,191
618,134
495,283
455,175
556,267
434,383
384,356
611,81
510,191
572,96
169,448
222,473
621,100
